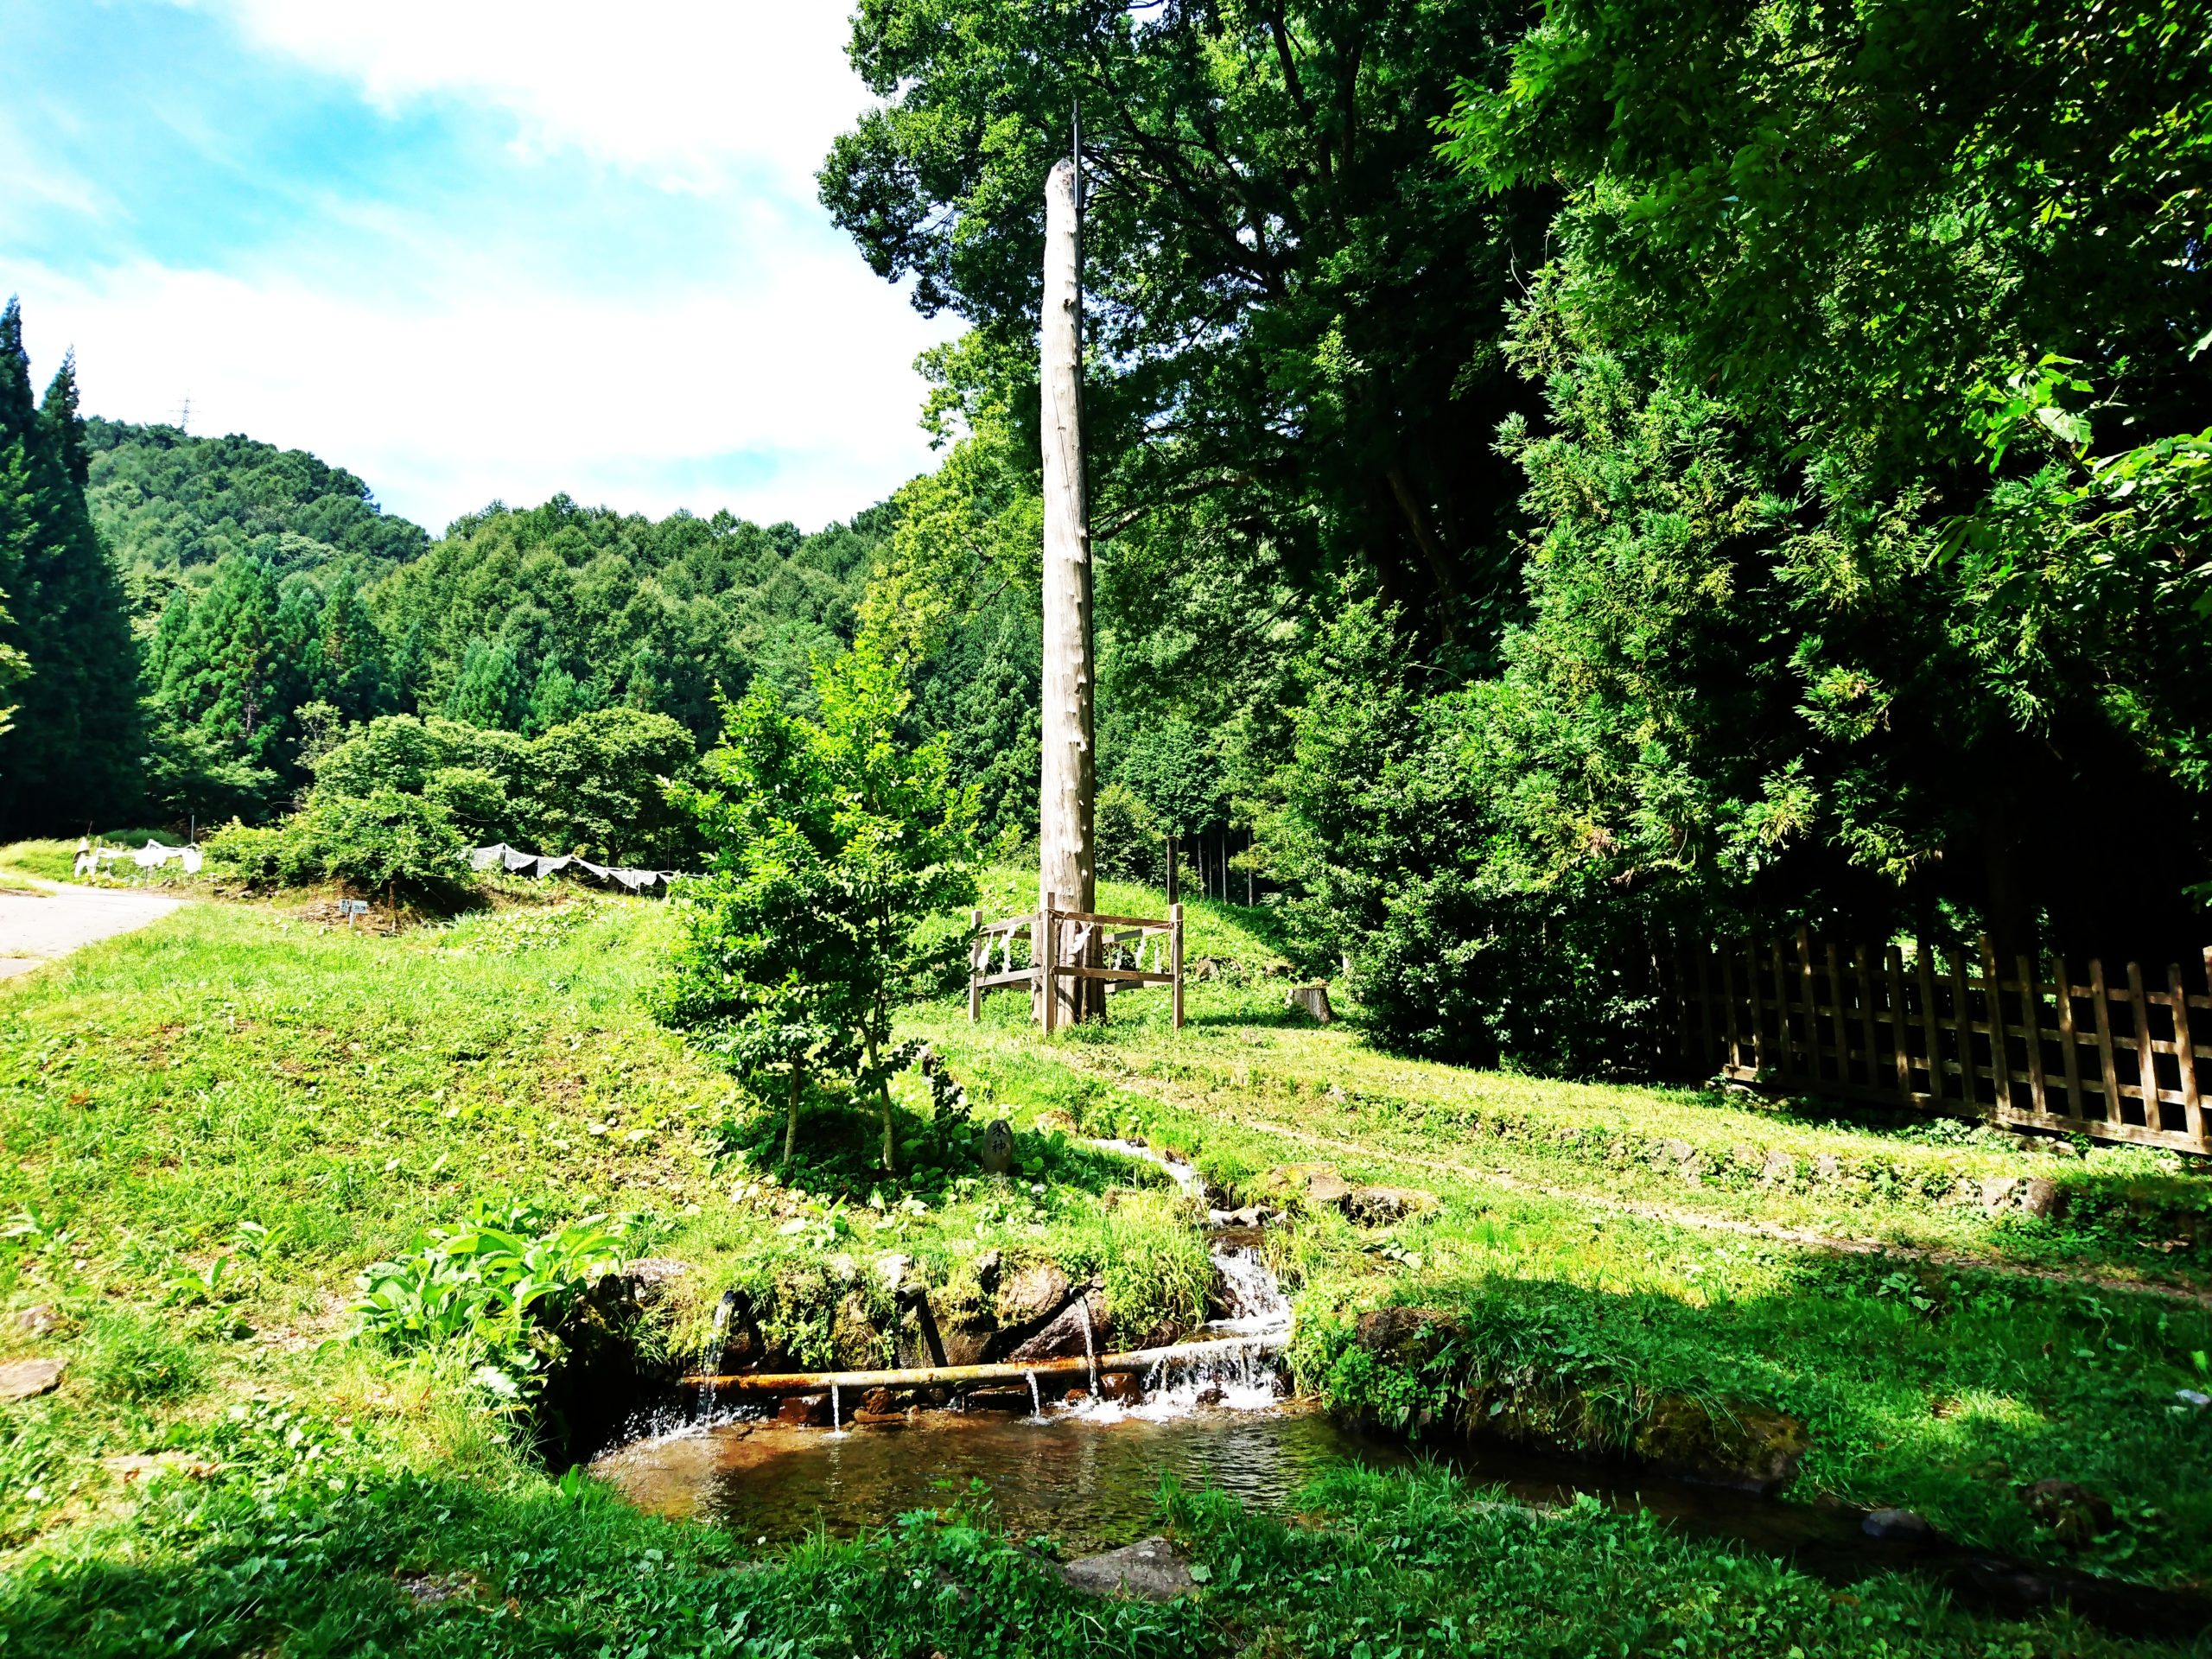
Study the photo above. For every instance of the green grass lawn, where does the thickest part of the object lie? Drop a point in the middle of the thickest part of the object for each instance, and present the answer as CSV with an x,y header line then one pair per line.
x,y
214,1124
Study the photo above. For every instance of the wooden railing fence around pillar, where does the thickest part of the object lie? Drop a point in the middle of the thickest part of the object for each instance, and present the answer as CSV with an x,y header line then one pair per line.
x,y
1060,944
1938,1031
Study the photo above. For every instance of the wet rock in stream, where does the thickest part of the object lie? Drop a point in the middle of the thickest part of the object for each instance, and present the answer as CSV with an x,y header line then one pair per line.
x,y
1032,1294
803,1410
1745,1446
1897,1526
1063,1335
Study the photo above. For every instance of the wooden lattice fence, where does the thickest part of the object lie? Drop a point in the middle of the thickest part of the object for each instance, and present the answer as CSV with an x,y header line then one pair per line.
x,y
1936,1030
1055,944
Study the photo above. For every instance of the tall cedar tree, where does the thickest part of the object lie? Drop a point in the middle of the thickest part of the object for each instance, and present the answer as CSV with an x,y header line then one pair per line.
x,y
73,758
1292,307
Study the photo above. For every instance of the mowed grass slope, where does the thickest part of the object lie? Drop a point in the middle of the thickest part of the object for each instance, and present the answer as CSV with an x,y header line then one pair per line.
x,y
214,1124
1945,1353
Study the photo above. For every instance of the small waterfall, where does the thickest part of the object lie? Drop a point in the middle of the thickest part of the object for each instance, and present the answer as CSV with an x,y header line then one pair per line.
x,y
1090,1347
1257,1304
1036,1408
1177,1172
836,1412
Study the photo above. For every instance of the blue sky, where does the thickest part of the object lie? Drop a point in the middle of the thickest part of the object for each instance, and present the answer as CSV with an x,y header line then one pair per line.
x,y
469,249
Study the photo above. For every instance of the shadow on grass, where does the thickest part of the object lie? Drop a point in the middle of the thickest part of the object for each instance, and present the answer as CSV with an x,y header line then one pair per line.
x,y
400,1563
1949,1393
838,1154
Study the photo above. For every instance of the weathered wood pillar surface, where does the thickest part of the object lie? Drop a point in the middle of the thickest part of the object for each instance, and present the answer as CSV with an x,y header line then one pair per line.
x,y
1068,865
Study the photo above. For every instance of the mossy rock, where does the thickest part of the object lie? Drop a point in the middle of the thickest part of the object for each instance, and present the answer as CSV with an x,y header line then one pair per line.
x,y
1307,1186
1729,1443
1409,1337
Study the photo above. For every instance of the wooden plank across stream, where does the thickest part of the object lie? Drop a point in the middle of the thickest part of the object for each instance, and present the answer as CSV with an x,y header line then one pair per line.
x,y
923,1376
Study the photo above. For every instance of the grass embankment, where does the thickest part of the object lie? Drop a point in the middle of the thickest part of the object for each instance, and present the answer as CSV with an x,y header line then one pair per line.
x,y
1631,1243
214,1124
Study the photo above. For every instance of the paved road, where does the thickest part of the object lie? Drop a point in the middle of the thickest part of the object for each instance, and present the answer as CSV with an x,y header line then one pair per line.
x,y
35,928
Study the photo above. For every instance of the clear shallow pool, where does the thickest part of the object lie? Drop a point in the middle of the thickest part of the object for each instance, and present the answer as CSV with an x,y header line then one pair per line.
x,y
1089,1480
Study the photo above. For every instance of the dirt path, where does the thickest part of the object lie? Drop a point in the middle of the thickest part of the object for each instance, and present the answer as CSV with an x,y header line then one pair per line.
x,y
1704,1221
36,926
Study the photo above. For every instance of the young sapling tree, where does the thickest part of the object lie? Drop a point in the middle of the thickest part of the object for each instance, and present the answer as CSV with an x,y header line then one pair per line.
x,y
834,840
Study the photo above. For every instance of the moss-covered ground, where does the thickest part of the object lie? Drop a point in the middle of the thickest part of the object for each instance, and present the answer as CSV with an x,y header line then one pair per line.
x,y
213,1125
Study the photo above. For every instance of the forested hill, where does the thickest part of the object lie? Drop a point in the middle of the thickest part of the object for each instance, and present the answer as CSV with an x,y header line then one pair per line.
x,y
274,604
515,617
516,620
169,505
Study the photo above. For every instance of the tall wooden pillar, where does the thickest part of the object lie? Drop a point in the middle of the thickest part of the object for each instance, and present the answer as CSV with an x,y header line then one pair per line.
x,y
1068,861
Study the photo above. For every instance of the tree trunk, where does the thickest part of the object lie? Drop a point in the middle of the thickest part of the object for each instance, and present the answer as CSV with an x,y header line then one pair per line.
x,y
790,1121
883,1092
1067,861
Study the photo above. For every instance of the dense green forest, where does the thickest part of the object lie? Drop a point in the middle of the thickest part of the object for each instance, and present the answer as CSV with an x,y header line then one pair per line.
x,y
258,606
67,661
1632,469
171,506
1557,482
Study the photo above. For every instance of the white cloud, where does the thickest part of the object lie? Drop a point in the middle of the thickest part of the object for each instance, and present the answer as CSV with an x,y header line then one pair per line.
x,y
516,327
36,181
796,391
685,90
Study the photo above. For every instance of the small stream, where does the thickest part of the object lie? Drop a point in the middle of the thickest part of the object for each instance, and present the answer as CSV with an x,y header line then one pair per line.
x,y
1088,1478
1086,1471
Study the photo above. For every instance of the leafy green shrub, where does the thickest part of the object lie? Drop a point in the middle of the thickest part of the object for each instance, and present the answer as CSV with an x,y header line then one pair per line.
x,y
496,1285
596,784
1129,837
836,846
386,842
473,799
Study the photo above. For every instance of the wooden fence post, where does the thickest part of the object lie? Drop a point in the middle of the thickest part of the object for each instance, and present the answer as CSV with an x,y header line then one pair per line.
x,y
1046,950
1865,973
1782,1014
1728,1006
1837,1012
979,950
2068,1048
1812,1003
1900,1023
1962,1028
1711,1058
2102,999
2185,1052
2000,1060
2031,1006
1925,959
1175,964
2146,1058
